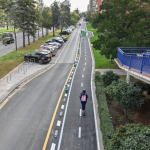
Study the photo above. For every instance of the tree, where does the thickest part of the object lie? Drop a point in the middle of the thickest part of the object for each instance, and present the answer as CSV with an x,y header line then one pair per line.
x,y
2,18
131,137
23,14
127,94
47,16
88,15
55,15
123,23
77,11
65,9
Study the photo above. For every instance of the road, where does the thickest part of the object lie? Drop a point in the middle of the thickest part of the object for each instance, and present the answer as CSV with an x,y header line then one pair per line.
x,y
30,118
10,47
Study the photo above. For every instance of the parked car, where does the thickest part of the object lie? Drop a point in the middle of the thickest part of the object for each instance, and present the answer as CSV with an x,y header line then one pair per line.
x,y
64,38
44,50
51,49
64,32
40,57
7,38
55,40
61,37
57,45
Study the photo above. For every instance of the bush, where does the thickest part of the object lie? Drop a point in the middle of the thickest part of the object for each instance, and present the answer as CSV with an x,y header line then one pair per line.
x,y
105,120
128,95
97,76
108,77
131,137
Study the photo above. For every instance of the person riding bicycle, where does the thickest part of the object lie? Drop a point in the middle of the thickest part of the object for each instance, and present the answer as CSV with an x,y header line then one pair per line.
x,y
83,98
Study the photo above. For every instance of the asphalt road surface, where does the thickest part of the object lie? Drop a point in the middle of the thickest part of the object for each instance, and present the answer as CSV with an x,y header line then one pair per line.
x,y
10,47
31,117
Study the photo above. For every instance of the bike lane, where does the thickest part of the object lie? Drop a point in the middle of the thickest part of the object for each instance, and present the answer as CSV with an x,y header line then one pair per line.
x,y
79,131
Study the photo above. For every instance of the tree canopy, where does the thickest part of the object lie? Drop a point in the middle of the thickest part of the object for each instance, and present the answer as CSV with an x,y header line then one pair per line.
x,y
122,23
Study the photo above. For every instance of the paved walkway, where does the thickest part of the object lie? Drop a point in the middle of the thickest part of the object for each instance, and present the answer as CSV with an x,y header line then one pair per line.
x,y
116,71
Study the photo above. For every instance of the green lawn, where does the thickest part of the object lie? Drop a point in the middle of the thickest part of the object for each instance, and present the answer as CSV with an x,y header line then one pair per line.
x,y
101,62
9,30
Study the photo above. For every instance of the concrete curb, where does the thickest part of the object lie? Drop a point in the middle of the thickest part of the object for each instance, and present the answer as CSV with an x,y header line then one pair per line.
x,y
95,104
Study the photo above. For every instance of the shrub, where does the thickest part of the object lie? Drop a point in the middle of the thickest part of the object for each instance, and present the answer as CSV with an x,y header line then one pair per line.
x,y
105,120
108,77
128,95
131,137
97,76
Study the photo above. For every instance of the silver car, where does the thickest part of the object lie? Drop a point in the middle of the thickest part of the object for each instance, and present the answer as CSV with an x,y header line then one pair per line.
x,y
51,49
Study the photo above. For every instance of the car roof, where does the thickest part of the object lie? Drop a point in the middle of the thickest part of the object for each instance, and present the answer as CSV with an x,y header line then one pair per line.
x,y
42,52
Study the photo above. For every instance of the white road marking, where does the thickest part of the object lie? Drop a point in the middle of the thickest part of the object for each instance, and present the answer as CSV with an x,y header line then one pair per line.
x,y
58,123
85,58
53,146
65,94
85,55
83,76
80,113
85,63
79,134
62,106
84,69
85,51
68,85
81,84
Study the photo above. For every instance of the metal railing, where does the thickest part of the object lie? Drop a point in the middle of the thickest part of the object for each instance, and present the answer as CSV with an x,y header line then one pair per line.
x,y
23,69
135,58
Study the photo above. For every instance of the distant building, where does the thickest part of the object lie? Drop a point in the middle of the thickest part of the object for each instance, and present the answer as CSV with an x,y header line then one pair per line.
x,y
94,4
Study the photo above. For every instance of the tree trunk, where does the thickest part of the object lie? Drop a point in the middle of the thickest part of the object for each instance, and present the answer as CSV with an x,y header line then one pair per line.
x,y
38,35
15,38
23,39
53,31
33,39
7,25
42,32
28,40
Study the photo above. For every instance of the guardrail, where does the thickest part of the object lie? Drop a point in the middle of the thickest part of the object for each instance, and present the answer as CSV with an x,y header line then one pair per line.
x,y
137,58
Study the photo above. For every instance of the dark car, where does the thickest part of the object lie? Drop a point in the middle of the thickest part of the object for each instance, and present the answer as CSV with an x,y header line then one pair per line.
x,y
40,57
64,32
7,38
55,40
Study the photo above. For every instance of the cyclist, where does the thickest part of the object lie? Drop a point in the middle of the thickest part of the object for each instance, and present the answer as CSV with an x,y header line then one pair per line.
x,y
83,98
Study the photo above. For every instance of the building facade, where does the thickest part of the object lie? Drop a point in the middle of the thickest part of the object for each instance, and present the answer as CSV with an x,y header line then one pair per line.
x,y
94,4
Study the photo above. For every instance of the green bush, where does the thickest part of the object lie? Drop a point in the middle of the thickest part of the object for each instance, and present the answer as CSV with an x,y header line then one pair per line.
x,y
105,120
97,76
128,95
108,77
131,137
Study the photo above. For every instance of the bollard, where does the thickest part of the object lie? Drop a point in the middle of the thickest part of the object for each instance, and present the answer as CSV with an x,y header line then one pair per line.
x,y
78,51
66,88
74,64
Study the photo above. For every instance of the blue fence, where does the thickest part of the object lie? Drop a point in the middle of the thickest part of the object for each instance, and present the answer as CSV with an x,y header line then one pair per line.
x,y
137,58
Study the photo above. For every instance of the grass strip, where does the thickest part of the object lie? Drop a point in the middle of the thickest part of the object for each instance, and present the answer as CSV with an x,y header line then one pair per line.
x,y
106,125
11,60
9,30
101,62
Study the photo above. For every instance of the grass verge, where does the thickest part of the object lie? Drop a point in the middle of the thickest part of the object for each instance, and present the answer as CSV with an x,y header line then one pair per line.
x,y
101,62
106,125
11,60
9,30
